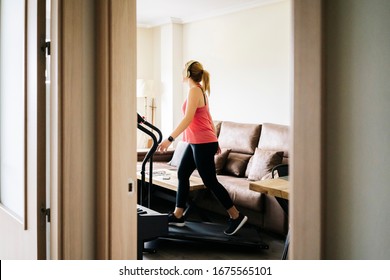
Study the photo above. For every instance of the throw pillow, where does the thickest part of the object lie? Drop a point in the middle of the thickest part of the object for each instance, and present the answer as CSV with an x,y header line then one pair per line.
x,y
178,153
248,167
220,160
262,163
236,164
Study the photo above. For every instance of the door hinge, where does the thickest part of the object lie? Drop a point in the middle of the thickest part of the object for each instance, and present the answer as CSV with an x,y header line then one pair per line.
x,y
46,212
46,46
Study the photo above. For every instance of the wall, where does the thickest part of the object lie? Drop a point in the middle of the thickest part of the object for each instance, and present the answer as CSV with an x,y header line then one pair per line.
x,y
248,57
145,47
145,68
357,44
247,53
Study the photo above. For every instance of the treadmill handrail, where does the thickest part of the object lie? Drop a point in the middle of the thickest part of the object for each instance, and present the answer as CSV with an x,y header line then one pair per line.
x,y
149,155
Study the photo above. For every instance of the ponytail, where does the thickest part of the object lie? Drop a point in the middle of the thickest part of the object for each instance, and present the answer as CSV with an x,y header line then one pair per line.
x,y
206,81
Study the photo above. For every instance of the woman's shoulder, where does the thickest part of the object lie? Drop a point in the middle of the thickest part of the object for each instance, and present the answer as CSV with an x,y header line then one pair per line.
x,y
196,91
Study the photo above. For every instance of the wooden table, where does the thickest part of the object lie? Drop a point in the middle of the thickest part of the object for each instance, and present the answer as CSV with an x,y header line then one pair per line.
x,y
168,179
280,189
276,187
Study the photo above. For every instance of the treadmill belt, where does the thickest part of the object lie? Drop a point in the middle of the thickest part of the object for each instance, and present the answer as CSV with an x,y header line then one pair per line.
x,y
211,232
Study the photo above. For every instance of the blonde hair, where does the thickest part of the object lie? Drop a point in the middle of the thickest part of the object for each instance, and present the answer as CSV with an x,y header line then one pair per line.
x,y
195,71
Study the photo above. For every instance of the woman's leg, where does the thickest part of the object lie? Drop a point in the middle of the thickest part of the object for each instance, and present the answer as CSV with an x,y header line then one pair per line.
x,y
185,169
204,160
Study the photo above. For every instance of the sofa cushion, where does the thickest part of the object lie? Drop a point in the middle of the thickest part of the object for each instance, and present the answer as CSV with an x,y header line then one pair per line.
x,y
236,164
242,196
178,153
275,137
240,137
262,163
220,160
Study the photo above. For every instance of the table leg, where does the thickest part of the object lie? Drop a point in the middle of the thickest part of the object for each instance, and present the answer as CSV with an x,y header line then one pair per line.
x,y
286,244
284,204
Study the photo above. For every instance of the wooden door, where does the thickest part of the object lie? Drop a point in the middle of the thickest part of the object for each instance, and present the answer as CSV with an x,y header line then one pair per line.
x,y
116,134
307,176
22,130
93,128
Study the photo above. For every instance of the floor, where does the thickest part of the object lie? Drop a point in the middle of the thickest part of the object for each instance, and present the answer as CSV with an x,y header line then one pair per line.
x,y
167,249
178,249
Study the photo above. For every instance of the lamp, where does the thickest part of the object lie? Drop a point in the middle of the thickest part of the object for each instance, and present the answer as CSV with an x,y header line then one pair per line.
x,y
146,88
142,92
153,106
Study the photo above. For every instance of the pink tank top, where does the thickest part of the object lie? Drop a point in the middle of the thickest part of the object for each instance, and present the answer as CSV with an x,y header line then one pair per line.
x,y
201,128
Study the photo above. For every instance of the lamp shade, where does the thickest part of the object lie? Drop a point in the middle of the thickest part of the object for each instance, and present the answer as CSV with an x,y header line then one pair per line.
x,y
145,88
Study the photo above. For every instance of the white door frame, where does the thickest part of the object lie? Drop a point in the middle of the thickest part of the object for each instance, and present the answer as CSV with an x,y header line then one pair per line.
x,y
26,238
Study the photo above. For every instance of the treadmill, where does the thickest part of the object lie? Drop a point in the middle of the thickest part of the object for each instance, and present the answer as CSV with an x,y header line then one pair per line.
x,y
200,231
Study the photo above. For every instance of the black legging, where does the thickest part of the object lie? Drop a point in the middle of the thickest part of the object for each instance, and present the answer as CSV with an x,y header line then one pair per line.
x,y
201,157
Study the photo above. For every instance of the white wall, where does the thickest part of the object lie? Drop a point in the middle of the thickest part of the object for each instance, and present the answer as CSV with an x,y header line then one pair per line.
x,y
357,129
145,68
248,57
145,54
247,54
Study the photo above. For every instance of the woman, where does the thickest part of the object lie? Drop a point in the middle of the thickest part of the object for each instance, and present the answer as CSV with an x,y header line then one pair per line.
x,y
198,130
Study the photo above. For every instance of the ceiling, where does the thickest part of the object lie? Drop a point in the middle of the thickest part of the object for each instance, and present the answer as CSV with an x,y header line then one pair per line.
x,y
152,13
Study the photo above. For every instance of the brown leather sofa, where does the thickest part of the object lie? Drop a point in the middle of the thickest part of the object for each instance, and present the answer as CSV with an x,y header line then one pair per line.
x,y
249,151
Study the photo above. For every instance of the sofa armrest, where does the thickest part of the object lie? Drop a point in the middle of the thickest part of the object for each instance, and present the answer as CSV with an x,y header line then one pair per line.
x,y
157,157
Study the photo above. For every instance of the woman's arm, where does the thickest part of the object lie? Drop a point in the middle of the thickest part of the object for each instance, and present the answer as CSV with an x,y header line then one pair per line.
x,y
215,132
193,98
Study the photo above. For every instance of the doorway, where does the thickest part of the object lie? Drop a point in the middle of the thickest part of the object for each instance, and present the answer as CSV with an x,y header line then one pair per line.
x,y
304,87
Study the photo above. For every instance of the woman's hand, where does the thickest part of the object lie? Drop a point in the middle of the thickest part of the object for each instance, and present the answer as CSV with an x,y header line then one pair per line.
x,y
164,145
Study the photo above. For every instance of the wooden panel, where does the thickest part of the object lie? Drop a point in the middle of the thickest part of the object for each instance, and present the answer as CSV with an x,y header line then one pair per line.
x,y
123,128
103,132
306,201
94,121
76,129
116,114
41,127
